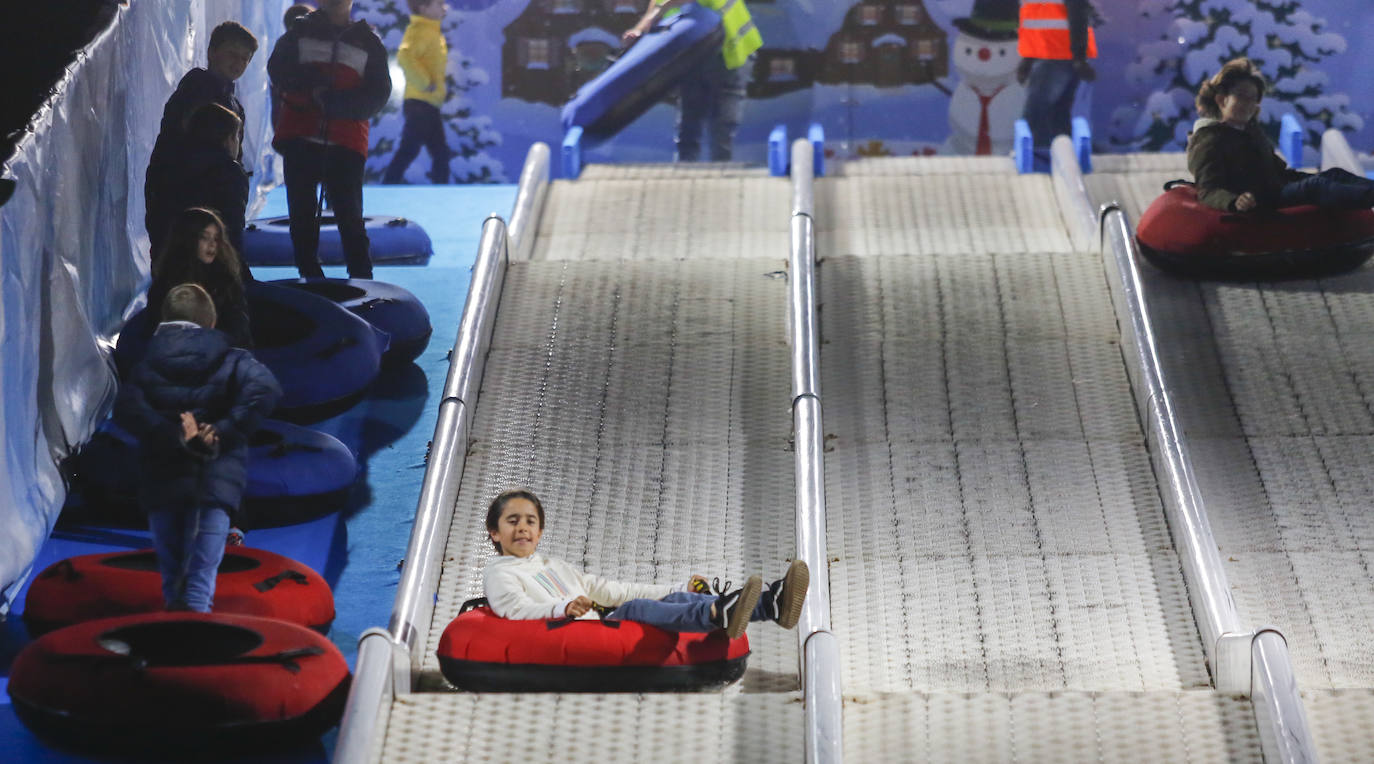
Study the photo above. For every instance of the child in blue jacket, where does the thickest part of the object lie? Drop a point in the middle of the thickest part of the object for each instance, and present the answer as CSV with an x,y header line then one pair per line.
x,y
192,402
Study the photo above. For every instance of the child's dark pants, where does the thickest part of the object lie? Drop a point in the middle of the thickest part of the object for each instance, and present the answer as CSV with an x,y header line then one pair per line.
x,y
1330,188
710,100
308,164
423,127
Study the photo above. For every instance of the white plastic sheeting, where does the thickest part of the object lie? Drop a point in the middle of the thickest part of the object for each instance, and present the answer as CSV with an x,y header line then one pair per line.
x,y
73,252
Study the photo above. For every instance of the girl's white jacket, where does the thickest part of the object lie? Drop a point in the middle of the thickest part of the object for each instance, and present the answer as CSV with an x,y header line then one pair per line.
x,y
537,587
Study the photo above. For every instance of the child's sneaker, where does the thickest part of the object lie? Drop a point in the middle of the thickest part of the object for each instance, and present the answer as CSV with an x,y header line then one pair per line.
x,y
734,608
235,538
787,594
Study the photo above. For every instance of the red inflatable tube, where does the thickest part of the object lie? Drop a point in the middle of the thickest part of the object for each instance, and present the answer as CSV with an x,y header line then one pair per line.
x,y
250,582
179,682
1181,235
482,652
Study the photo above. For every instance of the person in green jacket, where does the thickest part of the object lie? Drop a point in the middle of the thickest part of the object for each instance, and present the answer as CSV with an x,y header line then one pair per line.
x,y
424,59
710,99
1234,164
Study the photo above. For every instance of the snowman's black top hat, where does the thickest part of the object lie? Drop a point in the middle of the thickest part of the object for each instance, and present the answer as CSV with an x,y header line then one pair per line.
x,y
994,20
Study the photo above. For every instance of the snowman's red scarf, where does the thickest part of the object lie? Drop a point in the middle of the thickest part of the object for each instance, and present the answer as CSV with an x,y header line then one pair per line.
x,y
984,139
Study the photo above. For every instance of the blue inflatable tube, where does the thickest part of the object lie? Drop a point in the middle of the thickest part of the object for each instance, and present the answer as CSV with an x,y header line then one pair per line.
x,y
386,306
324,357
395,241
295,474
644,74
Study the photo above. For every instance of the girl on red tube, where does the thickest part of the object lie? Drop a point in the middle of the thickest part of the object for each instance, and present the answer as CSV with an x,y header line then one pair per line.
x,y
1234,164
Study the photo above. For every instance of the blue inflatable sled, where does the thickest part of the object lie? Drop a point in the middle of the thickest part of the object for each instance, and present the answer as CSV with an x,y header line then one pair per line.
x,y
295,475
644,75
386,306
324,357
395,241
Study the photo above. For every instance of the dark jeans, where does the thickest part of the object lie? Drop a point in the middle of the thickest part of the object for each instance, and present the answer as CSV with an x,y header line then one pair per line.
x,y
423,127
1049,103
1329,188
710,99
189,548
681,611
308,164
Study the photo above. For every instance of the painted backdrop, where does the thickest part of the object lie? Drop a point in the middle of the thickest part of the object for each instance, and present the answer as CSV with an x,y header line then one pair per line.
x,y
886,77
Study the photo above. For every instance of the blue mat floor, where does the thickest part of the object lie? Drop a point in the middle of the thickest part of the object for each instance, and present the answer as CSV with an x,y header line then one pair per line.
x,y
360,549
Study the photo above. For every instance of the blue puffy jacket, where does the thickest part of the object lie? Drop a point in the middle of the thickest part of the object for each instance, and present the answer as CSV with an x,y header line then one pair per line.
x,y
188,368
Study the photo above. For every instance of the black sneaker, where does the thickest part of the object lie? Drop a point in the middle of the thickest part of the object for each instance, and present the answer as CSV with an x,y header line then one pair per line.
x,y
787,594
733,609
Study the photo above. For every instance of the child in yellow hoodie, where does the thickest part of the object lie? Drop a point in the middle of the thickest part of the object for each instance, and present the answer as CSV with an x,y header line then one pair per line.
x,y
424,59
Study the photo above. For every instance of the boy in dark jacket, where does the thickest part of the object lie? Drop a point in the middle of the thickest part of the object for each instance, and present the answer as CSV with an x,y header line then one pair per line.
x,y
333,77
203,172
1234,164
231,47
192,402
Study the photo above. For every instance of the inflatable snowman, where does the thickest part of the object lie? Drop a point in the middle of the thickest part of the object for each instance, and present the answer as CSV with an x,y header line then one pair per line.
x,y
988,100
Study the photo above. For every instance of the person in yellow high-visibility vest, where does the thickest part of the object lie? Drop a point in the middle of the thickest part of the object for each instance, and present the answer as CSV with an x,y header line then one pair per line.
x,y
710,99
1055,39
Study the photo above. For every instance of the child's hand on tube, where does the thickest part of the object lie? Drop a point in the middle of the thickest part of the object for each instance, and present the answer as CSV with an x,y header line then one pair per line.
x,y
632,35
578,607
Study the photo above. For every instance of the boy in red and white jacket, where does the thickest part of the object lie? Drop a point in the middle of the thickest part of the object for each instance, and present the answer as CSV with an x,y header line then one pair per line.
x,y
333,78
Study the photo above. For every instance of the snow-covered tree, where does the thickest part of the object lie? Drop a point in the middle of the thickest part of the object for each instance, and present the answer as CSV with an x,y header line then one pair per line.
x,y
469,135
1284,40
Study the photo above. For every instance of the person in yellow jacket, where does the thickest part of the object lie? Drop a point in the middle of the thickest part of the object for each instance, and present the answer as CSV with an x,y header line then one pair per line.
x,y
1055,39
710,99
424,59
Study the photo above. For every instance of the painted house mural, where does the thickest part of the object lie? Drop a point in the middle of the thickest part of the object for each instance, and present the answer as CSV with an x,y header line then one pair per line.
x,y
895,76
556,46
886,43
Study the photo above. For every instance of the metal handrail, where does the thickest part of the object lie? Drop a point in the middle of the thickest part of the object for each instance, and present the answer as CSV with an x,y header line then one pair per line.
x,y
1245,661
1284,733
820,654
803,178
529,202
372,691
410,619
395,653
1214,609
1072,193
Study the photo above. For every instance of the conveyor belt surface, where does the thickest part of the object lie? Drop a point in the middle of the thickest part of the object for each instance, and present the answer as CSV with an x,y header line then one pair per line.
x,y
638,382
1274,385
1004,582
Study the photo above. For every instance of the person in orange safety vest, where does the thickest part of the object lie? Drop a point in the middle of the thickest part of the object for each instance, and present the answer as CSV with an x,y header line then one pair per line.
x,y
1055,40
